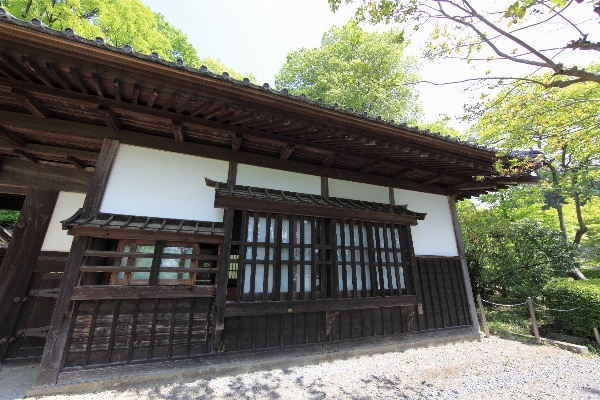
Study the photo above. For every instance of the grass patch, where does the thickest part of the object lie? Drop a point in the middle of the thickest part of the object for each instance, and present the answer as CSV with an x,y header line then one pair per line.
x,y
505,320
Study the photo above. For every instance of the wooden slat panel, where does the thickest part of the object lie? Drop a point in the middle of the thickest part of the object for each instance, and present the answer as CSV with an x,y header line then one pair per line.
x,y
141,292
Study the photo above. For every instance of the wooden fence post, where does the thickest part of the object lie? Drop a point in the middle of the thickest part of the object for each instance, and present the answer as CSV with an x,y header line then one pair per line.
x,y
534,320
597,333
483,319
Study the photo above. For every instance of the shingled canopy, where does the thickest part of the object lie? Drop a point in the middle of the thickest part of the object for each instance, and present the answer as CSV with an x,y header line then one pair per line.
x,y
61,94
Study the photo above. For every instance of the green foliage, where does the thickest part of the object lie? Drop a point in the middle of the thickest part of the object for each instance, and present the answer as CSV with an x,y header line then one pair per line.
x,y
119,22
591,273
512,257
564,294
354,68
9,218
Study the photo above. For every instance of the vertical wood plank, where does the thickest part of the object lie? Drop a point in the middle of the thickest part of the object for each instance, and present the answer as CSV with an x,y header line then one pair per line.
x,y
267,265
172,328
313,261
353,261
387,259
343,256
222,279
153,330
113,331
254,255
90,337
372,263
241,265
291,275
136,312
395,250
363,269
21,256
277,271
95,194
335,283
302,257
323,277
379,260
156,260
188,343
465,270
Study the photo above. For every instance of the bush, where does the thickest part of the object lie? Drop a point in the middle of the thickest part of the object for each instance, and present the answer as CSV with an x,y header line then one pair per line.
x,y
8,218
591,273
564,294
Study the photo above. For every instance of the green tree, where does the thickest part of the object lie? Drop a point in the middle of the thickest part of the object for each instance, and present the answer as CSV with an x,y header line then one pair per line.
x,y
509,256
563,123
501,29
365,71
119,22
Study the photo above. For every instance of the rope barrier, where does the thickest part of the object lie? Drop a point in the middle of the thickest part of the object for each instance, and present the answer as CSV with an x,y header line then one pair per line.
x,y
504,305
543,307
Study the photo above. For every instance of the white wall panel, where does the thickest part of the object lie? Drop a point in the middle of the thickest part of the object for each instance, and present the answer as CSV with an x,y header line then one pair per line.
x,y
358,191
67,205
154,183
248,175
435,235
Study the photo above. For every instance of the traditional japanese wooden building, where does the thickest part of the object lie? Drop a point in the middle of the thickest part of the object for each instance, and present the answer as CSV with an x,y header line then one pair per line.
x,y
169,214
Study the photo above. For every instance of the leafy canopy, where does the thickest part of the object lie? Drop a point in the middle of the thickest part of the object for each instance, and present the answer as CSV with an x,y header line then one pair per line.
x,y
504,30
361,70
119,22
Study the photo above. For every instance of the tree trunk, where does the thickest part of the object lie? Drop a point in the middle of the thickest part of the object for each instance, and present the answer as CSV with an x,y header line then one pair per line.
x,y
556,201
575,272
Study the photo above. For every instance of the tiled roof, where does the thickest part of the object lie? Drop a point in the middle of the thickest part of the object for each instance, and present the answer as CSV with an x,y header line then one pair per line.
x,y
281,196
130,222
70,34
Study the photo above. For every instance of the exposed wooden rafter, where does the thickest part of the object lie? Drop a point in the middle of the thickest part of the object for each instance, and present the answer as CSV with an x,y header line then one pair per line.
x,y
237,142
26,156
76,162
287,151
109,117
30,103
98,85
36,71
12,138
177,131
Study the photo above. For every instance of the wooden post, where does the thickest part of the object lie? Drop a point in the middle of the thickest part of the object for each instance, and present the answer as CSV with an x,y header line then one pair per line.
x,y
536,332
465,269
56,341
483,319
597,334
21,257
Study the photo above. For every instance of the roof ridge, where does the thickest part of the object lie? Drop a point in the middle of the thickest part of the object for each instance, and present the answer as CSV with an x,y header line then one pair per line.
x,y
127,49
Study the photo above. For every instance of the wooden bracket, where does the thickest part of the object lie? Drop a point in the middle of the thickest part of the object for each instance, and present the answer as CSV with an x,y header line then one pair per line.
x,y
109,117
287,151
177,131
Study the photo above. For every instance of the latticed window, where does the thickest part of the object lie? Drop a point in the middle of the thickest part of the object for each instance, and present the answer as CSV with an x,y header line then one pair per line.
x,y
295,257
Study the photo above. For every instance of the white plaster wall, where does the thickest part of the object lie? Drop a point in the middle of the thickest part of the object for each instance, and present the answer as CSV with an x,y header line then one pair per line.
x,y
155,183
435,235
67,205
358,191
248,175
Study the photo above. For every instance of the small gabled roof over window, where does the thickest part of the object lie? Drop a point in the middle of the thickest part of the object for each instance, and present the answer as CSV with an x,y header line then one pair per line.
x,y
267,200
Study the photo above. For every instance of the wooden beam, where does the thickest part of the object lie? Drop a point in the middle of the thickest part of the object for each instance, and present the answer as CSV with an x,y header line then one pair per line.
x,y
431,180
56,75
167,105
141,292
92,132
30,103
37,71
76,162
287,307
215,112
237,142
26,156
177,131
76,76
135,93
465,270
402,173
187,103
21,256
24,174
325,187
109,117
12,138
369,167
98,85
152,98
14,66
117,89
52,153
287,152
99,180
222,276
328,162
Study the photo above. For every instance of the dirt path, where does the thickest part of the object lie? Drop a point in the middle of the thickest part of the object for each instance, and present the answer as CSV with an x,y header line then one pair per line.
x,y
493,369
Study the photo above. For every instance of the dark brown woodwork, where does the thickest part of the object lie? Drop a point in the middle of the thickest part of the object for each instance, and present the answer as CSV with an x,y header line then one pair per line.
x,y
109,117
78,80
369,167
135,93
10,201
12,138
14,66
138,139
284,307
431,180
237,142
30,103
98,85
222,277
76,162
167,104
325,187
402,173
55,73
35,69
26,156
177,131
20,259
117,84
99,180
52,153
141,292
328,162
116,233
287,152
306,209
24,174
153,98
186,104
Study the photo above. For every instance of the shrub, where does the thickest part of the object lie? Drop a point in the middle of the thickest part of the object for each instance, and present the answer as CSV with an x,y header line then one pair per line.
x,y
591,273
8,218
564,294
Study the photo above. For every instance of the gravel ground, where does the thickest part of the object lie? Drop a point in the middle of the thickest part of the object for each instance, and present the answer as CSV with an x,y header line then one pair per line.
x,y
493,368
